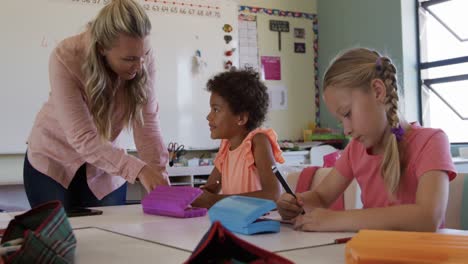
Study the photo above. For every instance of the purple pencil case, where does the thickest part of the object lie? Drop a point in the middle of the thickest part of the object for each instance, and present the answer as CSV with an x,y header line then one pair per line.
x,y
173,201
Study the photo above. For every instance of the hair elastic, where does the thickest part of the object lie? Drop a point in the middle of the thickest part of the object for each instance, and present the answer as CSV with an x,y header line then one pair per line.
x,y
378,64
398,132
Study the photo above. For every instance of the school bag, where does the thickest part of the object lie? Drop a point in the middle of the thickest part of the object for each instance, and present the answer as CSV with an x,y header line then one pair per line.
x,y
219,245
41,235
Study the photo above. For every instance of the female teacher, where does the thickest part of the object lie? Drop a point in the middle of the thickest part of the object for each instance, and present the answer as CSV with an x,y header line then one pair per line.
x,y
101,82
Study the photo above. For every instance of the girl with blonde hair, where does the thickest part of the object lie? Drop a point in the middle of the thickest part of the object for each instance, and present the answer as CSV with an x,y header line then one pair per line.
x,y
402,168
102,81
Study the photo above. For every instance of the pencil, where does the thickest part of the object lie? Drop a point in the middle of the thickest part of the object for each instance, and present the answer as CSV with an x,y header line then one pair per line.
x,y
284,184
342,240
282,181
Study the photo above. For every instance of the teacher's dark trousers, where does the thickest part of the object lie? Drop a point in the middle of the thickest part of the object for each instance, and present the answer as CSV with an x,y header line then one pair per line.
x,y
41,188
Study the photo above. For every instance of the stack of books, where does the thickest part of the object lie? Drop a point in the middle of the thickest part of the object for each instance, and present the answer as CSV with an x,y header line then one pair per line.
x,y
371,246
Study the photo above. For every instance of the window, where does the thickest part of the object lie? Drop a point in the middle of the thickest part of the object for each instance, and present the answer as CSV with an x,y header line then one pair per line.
x,y
443,28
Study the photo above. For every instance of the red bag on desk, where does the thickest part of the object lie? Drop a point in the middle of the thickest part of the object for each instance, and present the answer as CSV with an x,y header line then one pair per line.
x,y
47,236
219,245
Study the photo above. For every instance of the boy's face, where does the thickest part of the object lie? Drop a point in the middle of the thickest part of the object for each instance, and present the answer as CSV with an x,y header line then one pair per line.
x,y
223,123
127,55
362,114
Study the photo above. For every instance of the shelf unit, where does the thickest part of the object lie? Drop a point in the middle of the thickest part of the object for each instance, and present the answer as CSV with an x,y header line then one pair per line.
x,y
189,176
179,176
197,176
301,157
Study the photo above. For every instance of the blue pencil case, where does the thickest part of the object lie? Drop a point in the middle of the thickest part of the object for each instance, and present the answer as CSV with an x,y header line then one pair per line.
x,y
242,214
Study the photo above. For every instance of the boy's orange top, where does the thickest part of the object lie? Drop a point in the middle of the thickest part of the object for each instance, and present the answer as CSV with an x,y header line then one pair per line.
x,y
238,171
64,135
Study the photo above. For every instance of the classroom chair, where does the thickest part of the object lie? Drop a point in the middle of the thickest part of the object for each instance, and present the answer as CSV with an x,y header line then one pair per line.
x,y
352,194
317,153
457,208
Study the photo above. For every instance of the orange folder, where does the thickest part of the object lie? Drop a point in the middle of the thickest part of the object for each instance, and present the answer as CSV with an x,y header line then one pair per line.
x,y
395,247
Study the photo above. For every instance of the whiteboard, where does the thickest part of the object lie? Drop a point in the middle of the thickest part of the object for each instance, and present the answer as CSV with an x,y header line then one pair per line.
x,y
32,28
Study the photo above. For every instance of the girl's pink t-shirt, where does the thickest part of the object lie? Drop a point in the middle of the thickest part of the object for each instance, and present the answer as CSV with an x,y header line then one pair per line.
x,y
237,167
427,149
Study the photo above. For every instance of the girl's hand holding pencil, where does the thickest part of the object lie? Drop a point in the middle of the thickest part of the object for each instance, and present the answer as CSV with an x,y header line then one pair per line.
x,y
290,206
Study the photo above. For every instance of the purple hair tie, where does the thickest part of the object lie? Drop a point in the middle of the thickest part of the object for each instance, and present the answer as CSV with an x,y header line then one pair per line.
x,y
378,64
398,132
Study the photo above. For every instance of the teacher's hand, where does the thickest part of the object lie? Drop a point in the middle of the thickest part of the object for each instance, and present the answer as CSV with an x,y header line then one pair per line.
x,y
150,178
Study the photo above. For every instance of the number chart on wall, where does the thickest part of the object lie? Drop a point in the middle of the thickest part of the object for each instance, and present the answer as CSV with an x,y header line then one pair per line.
x,y
188,37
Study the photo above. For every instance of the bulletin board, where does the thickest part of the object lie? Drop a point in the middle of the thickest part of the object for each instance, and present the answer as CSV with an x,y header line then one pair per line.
x,y
289,69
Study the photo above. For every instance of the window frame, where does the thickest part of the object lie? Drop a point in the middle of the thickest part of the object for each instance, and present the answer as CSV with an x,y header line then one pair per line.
x,y
422,66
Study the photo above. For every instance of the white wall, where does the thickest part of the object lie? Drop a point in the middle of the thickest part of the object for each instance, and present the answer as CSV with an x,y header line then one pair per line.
x,y
11,180
11,169
179,85
11,166
13,198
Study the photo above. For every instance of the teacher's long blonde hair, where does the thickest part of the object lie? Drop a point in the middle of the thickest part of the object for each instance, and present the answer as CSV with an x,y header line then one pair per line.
x,y
117,17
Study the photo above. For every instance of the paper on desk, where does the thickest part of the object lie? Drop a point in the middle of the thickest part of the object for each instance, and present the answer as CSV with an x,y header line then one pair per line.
x,y
275,216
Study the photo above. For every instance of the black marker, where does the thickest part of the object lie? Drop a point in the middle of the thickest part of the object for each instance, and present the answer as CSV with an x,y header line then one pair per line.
x,y
283,183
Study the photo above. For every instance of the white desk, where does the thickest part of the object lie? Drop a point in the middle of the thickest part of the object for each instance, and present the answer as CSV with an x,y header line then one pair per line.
x,y
324,254
179,237
99,246
117,248
113,215
185,233
146,236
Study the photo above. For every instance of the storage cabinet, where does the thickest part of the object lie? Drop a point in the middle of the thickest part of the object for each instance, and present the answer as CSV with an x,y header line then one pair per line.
x,y
197,176
189,176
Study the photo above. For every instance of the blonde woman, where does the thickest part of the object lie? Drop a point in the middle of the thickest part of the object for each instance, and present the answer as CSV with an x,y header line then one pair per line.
x,y
403,169
102,81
